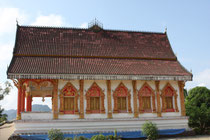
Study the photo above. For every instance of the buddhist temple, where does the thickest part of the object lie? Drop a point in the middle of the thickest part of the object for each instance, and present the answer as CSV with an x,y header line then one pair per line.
x,y
98,80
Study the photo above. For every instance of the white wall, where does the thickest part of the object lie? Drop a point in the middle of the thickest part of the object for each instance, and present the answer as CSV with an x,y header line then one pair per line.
x,y
114,85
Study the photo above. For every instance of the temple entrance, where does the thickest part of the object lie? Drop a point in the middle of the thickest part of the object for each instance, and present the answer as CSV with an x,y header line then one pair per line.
x,y
41,104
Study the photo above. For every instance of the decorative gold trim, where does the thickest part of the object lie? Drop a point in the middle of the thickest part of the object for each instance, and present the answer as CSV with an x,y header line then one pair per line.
x,y
88,95
55,100
157,88
109,99
128,96
163,96
81,89
62,96
135,106
181,93
141,95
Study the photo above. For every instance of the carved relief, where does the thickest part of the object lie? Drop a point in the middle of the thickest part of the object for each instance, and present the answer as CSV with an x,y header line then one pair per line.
x,y
148,92
122,91
95,91
69,92
109,99
157,83
81,88
169,92
135,106
181,91
55,100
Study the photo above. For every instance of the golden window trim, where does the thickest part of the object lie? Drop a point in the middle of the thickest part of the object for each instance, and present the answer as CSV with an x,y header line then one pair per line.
x,y
65,94
128,97
101,95
174,98
142,94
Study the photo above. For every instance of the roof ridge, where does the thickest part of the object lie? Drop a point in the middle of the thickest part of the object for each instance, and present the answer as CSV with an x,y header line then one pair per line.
x,y
103,57
79,28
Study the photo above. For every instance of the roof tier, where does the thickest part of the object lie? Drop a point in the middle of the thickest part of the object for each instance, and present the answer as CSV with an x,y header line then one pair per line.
x,y
65,52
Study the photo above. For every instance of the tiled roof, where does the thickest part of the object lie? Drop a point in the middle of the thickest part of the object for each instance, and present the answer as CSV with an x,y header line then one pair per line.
x,y
46,50
99,66
85,42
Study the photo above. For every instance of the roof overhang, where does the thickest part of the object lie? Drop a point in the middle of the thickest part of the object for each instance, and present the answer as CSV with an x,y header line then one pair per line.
x,y
99,77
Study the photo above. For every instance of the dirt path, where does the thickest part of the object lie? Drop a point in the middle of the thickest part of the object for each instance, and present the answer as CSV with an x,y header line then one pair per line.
x,y
6,131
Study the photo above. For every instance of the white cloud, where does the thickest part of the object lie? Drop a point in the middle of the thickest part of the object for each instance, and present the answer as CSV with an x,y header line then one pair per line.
x,y
203,78
8,17
50,20
6,52
84,25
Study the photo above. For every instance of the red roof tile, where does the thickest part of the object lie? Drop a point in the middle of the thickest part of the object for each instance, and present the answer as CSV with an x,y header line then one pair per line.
x,y
46,50
85,42
99,66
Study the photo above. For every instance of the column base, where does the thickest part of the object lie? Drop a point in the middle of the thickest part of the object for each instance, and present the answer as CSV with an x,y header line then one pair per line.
x,y
55,116
159,114
136,115
18,117
81,116
109,116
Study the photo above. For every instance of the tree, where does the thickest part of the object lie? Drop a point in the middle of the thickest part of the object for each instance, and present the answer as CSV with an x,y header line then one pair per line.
x,y
198,109
150,130
185,93
4,91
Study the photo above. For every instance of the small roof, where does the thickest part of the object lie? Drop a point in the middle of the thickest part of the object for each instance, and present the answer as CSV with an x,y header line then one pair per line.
x,y
62,53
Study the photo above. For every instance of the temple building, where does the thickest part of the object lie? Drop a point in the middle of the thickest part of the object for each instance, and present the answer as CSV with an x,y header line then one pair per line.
x,y
98,79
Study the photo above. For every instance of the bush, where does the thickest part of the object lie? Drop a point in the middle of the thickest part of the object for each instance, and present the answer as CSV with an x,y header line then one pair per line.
x,y
68,139
98,137
150,130
198,109
55,134
80,138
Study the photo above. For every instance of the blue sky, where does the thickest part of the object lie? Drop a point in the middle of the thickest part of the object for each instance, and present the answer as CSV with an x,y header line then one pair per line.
x,y
187,22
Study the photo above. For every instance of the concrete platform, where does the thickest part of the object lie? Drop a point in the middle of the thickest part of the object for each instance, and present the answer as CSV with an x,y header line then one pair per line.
x,y
97,125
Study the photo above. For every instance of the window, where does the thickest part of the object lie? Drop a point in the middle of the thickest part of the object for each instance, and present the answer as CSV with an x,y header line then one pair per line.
x,y
69,100
146,103
122,99
68,103
146,99
169,99
95,104
169,103
95,99
122,104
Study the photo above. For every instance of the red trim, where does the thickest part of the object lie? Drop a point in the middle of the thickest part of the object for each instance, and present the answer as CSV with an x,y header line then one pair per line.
x,y
170,110
147,111
69,112
122,111
19,100
95,111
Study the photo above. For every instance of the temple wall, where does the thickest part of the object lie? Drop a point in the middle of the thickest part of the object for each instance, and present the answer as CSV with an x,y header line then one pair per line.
x,y
114,84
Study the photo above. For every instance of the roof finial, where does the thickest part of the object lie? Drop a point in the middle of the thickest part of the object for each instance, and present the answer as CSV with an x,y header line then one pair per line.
x,y
95,25
165,29
17,22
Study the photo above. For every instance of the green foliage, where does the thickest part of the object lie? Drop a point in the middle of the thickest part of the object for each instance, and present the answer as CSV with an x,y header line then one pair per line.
x,y
111,137
98,137
198,109
150,130
4,91
185,93
55,134
68,139
80,138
